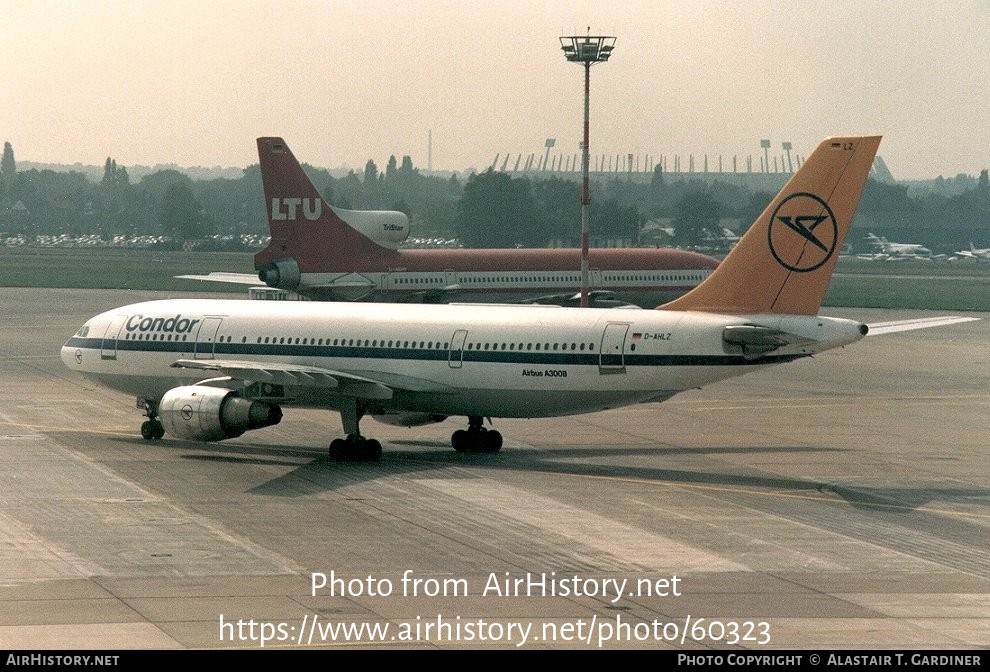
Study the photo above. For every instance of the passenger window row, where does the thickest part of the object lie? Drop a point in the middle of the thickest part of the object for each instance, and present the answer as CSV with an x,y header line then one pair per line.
x,y
531,346
382,343
352,342
155,337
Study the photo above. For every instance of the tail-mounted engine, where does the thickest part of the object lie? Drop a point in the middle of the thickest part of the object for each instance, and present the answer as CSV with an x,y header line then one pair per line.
x,y
204,413
281,274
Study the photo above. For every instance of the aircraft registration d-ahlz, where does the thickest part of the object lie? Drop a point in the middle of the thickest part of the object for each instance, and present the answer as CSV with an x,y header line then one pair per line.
x,y
330,254
208,370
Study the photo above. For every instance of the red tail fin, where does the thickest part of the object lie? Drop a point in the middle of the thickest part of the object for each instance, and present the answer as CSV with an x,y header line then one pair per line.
x,y
307,234
783,264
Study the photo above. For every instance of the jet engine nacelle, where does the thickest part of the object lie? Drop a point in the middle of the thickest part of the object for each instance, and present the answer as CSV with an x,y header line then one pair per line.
x,y
281,274
388,228
409,419
204,413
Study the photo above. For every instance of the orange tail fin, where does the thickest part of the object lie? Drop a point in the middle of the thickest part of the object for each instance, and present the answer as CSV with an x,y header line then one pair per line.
x,y
783,264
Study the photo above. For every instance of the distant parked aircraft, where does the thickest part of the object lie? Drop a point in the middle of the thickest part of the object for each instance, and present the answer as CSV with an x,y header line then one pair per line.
x,y
978,253
898,251
331,254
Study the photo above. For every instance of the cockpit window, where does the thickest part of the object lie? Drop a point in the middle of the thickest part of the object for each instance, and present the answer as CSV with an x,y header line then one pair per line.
x,y
83,331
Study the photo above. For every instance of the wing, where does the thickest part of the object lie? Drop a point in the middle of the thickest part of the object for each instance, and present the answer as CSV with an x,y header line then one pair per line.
x,y
918,323
367,385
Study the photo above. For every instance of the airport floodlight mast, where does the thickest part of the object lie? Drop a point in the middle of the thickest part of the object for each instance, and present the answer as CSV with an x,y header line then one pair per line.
x,y
586,50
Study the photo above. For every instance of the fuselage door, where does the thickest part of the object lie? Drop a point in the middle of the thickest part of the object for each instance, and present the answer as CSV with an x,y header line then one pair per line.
x,y
206,337
109,348
612,353
456,355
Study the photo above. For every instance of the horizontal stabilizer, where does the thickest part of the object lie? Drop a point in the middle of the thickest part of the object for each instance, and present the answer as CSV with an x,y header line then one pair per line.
x,y
223,276
919,323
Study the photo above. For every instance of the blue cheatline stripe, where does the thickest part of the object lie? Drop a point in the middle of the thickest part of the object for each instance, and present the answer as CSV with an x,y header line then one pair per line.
x,y
233,350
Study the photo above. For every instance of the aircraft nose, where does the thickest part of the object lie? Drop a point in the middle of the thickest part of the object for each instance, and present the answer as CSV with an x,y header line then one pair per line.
x,y
71,356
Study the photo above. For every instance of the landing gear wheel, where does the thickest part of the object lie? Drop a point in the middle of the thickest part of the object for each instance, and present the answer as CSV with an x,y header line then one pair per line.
x,y
373,449
338,448
492,441
355,449
152,430
476,439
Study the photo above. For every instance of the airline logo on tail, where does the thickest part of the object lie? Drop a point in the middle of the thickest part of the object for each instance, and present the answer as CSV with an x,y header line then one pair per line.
x,y
820,230
783,263
285,209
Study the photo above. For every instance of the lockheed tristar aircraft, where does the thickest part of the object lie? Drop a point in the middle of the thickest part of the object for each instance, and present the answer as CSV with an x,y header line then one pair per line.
x,y
213,369
327,253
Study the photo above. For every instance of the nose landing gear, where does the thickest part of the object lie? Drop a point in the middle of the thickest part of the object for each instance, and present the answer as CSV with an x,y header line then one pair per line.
x,y
151,429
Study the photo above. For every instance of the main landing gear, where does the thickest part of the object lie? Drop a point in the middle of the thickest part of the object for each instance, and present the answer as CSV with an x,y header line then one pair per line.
x,y
354,448
476,438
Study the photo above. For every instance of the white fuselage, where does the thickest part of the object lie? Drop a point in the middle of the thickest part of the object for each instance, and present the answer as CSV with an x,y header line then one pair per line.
x,y
472,360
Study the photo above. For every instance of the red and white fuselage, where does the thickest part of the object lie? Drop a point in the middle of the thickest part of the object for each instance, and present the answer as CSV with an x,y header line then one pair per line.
x,y
328,253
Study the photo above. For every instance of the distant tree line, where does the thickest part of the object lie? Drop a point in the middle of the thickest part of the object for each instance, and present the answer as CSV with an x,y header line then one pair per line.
x,y
487,209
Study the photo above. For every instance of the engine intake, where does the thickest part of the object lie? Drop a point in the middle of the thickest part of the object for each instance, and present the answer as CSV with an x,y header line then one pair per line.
x,y
204,413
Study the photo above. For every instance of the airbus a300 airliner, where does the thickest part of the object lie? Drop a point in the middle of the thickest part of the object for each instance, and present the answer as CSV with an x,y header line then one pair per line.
x,y
330,254
213,369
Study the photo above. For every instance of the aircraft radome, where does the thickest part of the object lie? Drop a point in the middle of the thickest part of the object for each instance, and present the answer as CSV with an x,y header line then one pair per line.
x,y
213,369
330,254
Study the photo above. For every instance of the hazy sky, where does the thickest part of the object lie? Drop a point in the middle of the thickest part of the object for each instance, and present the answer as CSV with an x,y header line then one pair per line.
x,y
195,82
